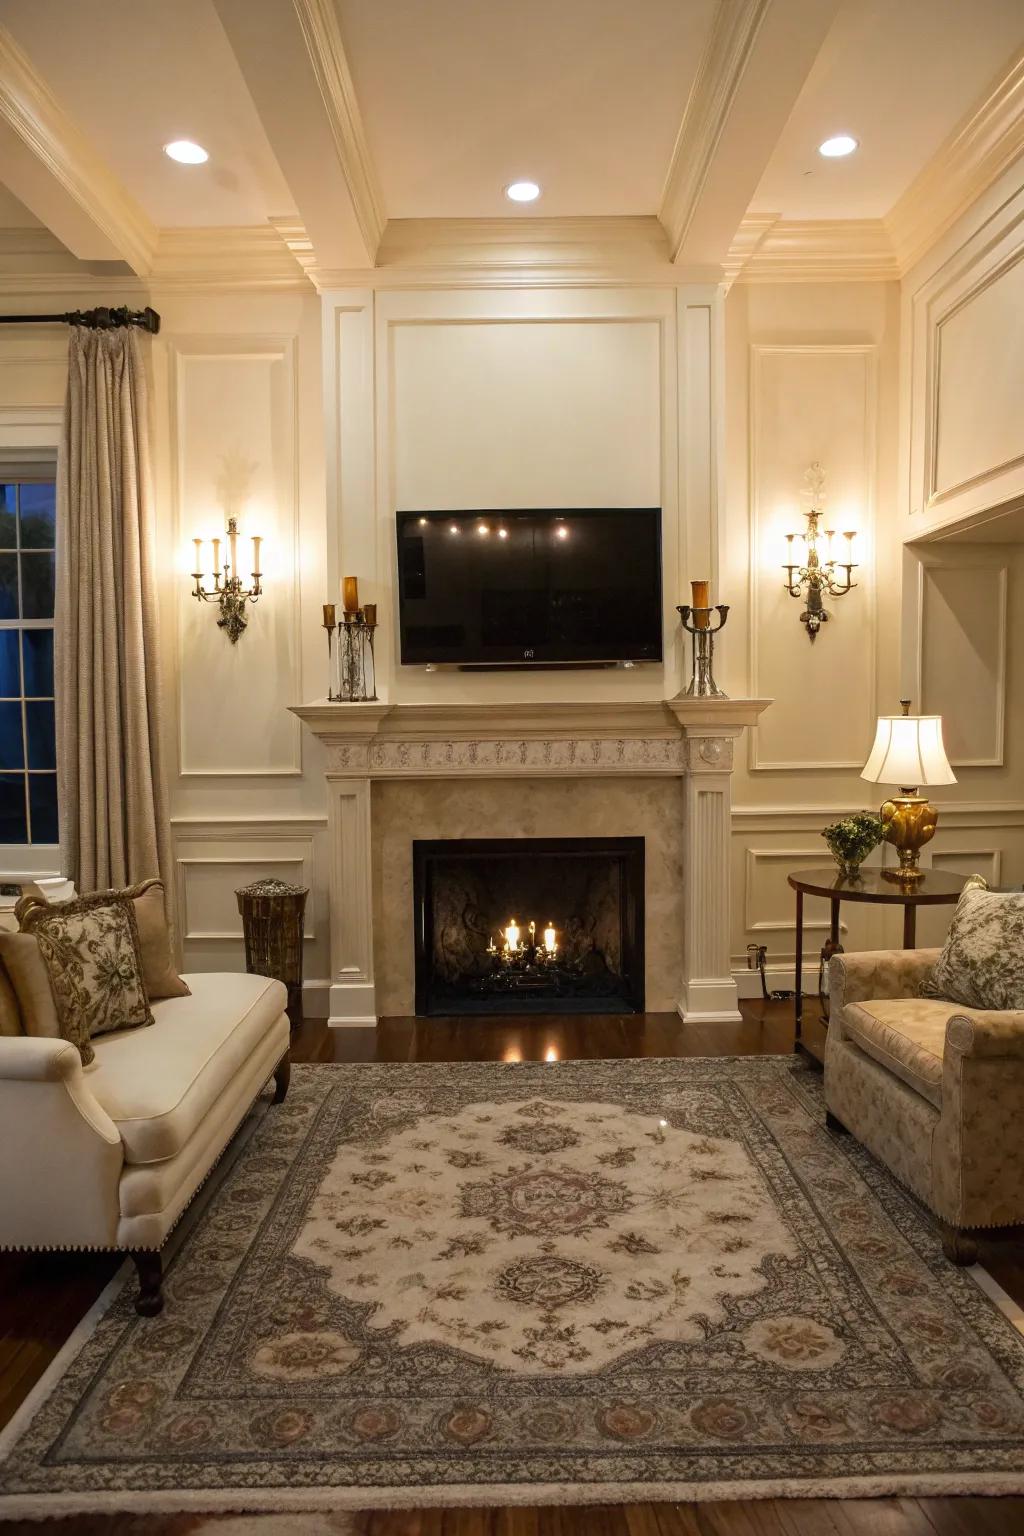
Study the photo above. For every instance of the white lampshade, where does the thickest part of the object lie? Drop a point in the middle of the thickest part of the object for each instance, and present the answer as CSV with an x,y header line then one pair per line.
x,y
908,751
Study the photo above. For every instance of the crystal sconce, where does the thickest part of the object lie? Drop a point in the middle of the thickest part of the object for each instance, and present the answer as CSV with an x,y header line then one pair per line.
x,y
229,592
811,566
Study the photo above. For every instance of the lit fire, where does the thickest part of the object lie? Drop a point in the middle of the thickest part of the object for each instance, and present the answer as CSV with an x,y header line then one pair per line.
x,y
513,946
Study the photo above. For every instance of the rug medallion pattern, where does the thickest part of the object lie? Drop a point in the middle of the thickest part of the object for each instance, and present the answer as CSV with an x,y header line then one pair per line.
x,y
660,1276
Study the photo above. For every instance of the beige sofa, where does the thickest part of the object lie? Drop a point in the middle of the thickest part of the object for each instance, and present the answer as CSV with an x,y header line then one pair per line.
x,y
934,1090
109,1156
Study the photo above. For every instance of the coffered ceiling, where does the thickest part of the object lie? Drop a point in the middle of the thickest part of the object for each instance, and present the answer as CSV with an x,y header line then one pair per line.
x,y
352,133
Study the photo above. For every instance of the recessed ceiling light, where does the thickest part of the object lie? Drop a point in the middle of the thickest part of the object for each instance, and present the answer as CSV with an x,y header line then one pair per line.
x,y
523,191
835,148
185,152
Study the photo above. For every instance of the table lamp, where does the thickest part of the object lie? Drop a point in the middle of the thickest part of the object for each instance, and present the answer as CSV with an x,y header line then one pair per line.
x,y
908,751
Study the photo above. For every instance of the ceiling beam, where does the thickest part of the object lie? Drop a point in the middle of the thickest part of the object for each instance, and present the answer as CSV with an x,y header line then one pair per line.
x,y
291,55
52,168
758,55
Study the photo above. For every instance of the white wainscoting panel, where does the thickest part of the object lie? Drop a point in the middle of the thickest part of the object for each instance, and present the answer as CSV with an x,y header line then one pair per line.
x,y
811,403
233,431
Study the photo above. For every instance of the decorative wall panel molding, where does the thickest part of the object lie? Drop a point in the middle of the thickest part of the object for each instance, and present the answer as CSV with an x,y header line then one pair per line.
x,y
961,414
962,652
234,429
194,887
757,918
812,402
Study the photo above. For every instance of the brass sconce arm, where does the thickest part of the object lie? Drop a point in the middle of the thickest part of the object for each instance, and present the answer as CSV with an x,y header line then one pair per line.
x,y
814,578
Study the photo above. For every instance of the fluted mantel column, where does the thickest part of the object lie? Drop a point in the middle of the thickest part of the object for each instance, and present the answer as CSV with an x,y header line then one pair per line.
x,y
710,728
689,739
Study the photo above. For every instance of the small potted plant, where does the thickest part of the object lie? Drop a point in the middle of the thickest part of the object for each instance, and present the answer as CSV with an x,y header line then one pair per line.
x,y
852,839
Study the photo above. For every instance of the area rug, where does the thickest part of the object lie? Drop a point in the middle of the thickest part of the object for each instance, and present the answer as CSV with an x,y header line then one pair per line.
x,y
579,1282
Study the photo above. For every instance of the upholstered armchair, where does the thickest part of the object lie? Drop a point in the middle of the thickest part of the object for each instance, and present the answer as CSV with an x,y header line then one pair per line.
x,y
934,1090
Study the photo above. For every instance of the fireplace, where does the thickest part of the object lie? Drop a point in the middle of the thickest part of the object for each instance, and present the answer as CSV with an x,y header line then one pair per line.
x,y
529,925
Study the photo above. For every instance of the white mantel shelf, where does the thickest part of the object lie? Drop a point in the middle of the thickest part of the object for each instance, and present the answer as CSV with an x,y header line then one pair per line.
x,y
691,739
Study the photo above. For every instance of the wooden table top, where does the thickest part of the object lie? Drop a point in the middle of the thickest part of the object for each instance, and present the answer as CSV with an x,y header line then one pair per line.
x,y
934,888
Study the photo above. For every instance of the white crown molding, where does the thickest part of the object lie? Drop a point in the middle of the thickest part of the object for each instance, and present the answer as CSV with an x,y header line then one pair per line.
x,y
186,261
231,259
319,23
29,108
984,144
518,253
731,41
767,249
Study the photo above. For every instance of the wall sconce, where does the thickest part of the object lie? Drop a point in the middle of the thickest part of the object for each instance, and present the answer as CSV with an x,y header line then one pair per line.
x,y
228,590
805,566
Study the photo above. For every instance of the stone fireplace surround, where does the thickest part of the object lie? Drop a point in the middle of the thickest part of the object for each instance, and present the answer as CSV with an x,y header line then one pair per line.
x,y
666,766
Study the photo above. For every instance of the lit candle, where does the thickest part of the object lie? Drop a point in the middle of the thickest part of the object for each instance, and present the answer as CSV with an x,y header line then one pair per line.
x,y
256,542
550,939
216,557
700,600
512,935
350,594
197,569
328,615
233,542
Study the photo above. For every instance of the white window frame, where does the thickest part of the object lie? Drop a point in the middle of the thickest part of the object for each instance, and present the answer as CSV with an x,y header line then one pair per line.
x,y
21,431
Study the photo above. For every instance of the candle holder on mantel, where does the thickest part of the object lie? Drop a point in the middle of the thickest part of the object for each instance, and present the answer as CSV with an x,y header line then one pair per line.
x,y
702,683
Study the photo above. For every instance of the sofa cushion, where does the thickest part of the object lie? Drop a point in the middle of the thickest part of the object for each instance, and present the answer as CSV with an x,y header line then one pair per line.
x,y
147,898
10,1014
982,961
158,1084
905,1034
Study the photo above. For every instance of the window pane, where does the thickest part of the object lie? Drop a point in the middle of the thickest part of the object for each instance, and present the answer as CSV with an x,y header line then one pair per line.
x,y
13,822
37,586
37,645
38,516
39,729
8,586
8,500
10,678
12,747
42,799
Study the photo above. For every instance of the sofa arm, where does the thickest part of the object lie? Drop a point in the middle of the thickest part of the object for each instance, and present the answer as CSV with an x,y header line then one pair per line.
x,y
990,1033
877,973
61,1151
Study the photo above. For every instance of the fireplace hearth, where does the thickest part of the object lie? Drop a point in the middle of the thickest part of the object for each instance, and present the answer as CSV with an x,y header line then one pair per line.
x,y
529,925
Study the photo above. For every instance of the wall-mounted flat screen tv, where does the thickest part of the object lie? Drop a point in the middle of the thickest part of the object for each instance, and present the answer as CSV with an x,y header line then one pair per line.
x,y
538,588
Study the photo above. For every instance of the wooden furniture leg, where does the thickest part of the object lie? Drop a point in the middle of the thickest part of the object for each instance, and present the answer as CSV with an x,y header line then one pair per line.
x,y
959,1245
149,1264
282,1077
909,925
798,984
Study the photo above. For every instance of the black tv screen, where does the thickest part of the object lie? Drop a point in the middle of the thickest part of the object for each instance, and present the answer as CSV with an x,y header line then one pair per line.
x,y
538,587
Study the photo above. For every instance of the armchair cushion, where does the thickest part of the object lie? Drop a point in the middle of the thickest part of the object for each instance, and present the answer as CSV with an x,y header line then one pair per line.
x,y
982,961
158,1084
907,1035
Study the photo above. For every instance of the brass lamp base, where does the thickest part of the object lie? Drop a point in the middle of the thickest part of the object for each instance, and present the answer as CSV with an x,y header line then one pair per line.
x,y
908,822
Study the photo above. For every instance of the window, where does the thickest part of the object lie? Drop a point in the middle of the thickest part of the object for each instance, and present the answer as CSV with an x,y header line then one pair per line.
x,y
28,757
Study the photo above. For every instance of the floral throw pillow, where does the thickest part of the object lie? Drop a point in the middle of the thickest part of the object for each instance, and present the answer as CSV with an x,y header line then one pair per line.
x,y
982,961
91,952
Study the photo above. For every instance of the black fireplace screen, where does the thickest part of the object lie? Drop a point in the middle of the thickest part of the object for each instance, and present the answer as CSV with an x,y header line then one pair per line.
x,y
529,925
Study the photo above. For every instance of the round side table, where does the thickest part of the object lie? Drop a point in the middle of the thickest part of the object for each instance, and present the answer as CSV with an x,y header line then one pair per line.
x,y
933,889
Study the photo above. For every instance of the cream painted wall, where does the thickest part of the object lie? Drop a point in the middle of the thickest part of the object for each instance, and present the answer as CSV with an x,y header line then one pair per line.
x,y
237,427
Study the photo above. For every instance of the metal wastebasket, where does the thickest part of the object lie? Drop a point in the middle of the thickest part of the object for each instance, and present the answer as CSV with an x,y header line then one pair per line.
x,y
272,914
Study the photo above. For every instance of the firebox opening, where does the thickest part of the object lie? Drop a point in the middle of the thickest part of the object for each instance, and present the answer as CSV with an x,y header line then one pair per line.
x,y
529,925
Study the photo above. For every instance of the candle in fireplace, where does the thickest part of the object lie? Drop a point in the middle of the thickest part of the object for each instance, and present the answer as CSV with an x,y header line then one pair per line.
x,y
512,935
550,939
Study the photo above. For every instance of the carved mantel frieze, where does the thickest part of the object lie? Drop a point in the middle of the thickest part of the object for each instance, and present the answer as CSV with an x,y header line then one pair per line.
x,y
689,739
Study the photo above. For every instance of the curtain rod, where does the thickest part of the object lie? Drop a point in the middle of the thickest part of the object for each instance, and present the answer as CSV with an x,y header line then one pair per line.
x,y
95,319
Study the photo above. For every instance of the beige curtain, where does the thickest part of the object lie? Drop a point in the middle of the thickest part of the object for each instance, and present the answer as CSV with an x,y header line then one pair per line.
x,y
110,787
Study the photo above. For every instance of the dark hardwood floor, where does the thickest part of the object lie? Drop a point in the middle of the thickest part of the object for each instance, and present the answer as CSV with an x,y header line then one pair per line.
x,y
42,1296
